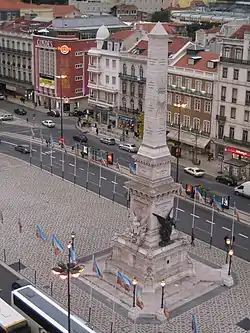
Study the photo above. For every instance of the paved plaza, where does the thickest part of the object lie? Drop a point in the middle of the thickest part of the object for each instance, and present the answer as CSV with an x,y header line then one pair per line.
x,y
31,196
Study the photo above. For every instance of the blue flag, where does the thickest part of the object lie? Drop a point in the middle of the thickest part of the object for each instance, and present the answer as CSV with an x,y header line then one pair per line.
x,y
194,324
72,254
40,233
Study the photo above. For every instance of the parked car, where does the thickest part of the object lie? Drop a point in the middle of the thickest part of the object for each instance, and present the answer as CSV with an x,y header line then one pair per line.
x,y
53,113
243,189
24,149
80,138
6,117
107,140
230,181
2,97
48,123
78,113
128,147
196,172
20,111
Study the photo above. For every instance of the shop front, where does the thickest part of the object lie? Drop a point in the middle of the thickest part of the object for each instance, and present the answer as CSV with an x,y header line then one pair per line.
x,y
128,123
236,163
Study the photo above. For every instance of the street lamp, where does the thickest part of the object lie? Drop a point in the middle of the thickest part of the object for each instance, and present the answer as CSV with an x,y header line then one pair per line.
x,y
163,283
230,253
134,283
67,271
179,106
73,239
61,77
227,243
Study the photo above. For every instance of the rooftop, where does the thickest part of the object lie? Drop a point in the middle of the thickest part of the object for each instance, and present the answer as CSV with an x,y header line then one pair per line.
x,y
125,6
121,35
175,44
20,25
239,34
201,60
148,26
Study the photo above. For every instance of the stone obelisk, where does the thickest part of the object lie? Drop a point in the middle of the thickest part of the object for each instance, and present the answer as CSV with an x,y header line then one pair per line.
x,y
140,251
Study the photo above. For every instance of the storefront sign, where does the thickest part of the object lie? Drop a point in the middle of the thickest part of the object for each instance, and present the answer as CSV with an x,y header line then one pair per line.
x,y
64,49
127,119
46,83
44,43
237,151
11,88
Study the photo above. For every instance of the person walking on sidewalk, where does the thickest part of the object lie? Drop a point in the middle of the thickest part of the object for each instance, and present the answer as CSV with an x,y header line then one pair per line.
x,y
27,119
192,239
97,131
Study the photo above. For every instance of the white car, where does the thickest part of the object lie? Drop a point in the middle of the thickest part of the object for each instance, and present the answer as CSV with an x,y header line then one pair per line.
x,y
196,172
6,117
128,147
2,97
48,123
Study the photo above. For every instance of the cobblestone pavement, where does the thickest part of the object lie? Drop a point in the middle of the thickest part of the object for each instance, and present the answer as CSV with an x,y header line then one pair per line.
x,y
36,197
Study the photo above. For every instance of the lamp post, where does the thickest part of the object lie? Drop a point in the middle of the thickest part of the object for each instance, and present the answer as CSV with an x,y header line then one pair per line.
x,y
163,283
179,106
67,271
230,253
73,239
227,243
134,283
61,77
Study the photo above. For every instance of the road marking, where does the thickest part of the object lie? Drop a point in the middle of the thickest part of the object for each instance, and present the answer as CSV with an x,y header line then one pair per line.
x,y
113,182
72,165
81,169
8,143
34,150
207,232
210,222
125,187
103,178
244,236
226,228
62,161
196,216
242,247
44,154
180,210
91,173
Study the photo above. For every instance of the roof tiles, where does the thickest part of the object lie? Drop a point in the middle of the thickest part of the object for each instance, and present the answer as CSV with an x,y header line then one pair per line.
x,y
200,64
239,34
121,35
148,26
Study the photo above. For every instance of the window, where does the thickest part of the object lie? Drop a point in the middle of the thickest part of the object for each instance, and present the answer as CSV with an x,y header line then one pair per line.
x,y
207,106
186,121
140,90
79,53
178,81
247,101
124,69
77,66
188,102
233,113
169,117
226,52
78,90
196,123
234,95
124,103
198,85
170,98
222,110
124,87
223,93
114,64
107,63
206,126
140,105
238,54
231,132
132,70
78,78
247,116
248,76
188,84
177,99
197,104
244,136
141,72
132,89
132,104
176,118
236,74
224,72
113,80
170,79
107,79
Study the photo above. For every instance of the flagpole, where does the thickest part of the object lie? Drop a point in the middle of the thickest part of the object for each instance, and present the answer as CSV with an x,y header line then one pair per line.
x,y
193,219
212,228
19,244
63,161
100,179
176,208
30,150
90,301
87,179
233,223
3,238
75,167
51,160
41,149
114,187
112,324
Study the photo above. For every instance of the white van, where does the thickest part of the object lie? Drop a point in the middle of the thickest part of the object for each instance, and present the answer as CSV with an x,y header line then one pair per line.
x,y
243,189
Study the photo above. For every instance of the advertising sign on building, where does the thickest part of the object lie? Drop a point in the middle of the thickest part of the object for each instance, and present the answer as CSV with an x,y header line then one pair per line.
x,y
46,83
44,43
64,49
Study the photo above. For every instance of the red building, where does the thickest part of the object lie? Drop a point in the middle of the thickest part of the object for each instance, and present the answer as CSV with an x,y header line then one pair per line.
x,y
60,71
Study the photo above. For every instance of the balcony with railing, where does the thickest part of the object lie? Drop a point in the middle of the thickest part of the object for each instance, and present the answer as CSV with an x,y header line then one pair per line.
x,y
129,110
192,92
221,119
234,61
128,77
14,81
16,51
94,67
236,141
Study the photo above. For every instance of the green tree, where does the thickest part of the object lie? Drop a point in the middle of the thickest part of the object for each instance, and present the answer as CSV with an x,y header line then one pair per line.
x,y
140,124
162,16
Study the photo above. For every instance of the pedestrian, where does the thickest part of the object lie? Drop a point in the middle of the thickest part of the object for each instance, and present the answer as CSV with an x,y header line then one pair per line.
x,y
72,148
27,119
97,131
192,239
47,143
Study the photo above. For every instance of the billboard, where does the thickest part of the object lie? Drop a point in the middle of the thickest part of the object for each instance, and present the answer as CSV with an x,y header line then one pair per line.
x,y
46,83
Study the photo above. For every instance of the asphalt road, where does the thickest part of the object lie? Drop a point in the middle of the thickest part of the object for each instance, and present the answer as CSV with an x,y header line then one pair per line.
x,y
111,186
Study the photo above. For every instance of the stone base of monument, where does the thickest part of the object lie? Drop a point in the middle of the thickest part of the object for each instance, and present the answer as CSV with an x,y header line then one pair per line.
x,y
177,292
227,280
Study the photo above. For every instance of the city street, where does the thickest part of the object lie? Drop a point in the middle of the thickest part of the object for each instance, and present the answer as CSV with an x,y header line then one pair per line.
x,y
111,185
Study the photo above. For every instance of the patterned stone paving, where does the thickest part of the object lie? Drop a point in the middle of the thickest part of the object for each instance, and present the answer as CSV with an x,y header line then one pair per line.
x,y
36,197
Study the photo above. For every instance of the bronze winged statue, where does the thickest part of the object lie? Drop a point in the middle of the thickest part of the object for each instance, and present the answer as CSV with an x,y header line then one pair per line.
x,y
166,228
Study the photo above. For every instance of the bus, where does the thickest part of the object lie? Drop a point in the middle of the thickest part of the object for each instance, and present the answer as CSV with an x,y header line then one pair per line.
x,y
11,320
43,314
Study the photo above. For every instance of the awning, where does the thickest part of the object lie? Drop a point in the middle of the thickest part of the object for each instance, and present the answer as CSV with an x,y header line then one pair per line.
x,y
189,139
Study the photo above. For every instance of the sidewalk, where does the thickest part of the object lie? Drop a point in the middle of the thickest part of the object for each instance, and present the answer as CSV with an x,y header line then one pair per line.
x,y
211,168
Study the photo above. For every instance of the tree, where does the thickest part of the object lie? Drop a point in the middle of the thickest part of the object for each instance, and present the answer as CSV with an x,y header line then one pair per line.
x,y
140,124
162,16
193,27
